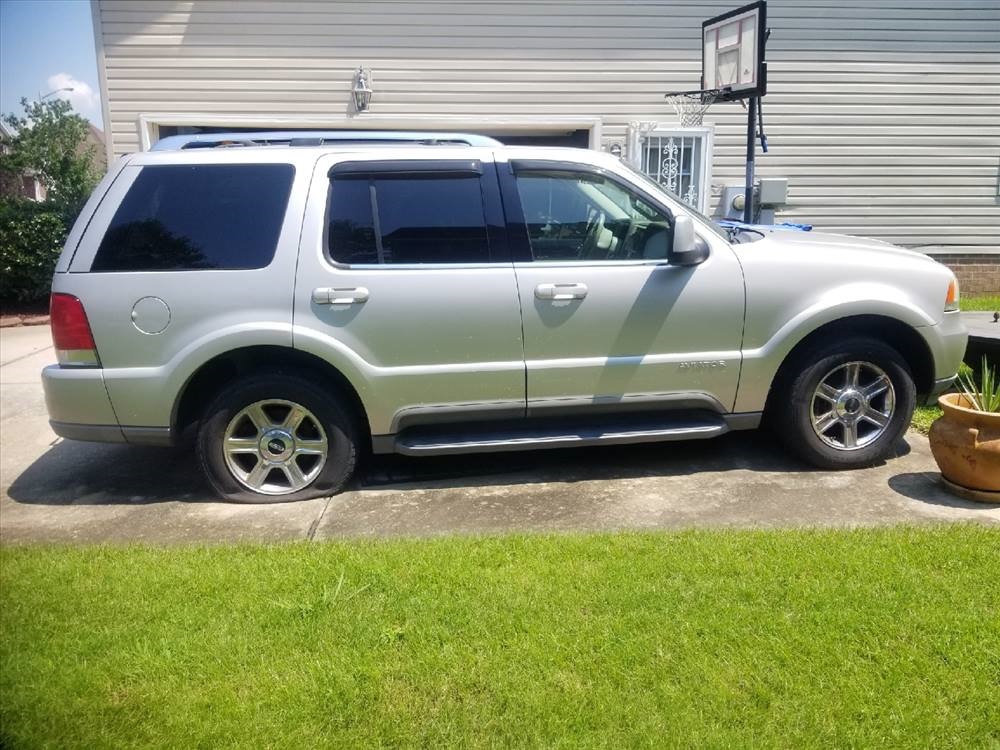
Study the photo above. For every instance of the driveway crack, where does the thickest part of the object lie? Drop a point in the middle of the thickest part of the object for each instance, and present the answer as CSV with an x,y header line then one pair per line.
x,y
24,356
311,533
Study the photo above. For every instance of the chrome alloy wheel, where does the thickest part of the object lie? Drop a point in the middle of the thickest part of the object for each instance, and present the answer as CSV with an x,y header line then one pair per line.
x,y
275,447
852,405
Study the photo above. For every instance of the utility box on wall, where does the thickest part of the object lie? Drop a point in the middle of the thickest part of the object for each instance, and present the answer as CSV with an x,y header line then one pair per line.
x,y
771,193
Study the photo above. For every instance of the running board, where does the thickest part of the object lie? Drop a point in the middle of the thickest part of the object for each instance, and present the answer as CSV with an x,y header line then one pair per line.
x,y
438,443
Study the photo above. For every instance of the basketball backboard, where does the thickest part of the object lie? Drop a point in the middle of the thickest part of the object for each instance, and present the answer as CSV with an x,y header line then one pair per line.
x,y
733,52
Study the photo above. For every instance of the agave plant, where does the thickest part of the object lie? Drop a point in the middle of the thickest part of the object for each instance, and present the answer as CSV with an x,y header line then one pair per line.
x,y
984,396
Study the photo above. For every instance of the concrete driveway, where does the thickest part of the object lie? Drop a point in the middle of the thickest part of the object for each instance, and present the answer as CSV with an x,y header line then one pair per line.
x,y
55,490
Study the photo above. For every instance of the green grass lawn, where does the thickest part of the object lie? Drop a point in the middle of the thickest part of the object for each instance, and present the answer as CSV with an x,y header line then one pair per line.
x,y
986,302
923,418
886,638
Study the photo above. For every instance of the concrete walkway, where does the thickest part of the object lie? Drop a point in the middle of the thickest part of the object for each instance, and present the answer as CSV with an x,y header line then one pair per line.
x,y
61,491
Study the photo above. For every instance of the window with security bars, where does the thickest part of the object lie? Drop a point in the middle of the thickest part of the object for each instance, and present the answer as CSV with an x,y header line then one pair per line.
x,y
678,161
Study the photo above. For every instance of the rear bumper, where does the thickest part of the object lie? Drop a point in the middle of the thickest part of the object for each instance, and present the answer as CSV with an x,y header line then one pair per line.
x,y
112,433
93,433
80,409
77,396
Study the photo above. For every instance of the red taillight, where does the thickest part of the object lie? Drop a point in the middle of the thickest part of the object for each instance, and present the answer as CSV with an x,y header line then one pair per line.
x,y
71,334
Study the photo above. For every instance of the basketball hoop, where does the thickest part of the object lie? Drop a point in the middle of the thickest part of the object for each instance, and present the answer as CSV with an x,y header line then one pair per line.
x,y
691,106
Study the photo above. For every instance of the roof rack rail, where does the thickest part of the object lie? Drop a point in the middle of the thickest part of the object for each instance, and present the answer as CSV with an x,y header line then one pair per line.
x,y
320,138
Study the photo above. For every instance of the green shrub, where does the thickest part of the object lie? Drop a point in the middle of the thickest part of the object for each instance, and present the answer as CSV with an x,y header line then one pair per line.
x,y
31,238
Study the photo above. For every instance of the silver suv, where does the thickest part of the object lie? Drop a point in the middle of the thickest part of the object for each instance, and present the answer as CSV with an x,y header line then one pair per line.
x,y
292,301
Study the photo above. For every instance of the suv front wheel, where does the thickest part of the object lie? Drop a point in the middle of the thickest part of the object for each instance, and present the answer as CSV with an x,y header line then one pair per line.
x,y
846,404
276,438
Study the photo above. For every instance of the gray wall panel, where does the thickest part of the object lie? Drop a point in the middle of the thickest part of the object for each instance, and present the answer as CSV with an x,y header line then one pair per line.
x,y
884,116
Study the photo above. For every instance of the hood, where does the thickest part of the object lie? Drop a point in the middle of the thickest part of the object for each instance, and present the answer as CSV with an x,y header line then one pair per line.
x,y
833,245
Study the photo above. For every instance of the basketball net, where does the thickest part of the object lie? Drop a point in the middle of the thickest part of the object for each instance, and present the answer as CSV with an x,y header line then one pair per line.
x,y
691,107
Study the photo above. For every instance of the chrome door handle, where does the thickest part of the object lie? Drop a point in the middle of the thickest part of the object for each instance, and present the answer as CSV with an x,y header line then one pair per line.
x,y
326,295
561,291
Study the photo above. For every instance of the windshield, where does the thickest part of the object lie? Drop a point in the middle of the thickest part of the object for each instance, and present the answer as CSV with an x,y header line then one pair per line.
x,y
657,187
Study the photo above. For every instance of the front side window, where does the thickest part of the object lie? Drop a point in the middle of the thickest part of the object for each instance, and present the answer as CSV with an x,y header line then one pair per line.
x,y
190,217
386,218
578,217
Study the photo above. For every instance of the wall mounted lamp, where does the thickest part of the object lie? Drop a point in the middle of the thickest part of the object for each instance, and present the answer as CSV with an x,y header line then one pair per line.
x,y
362,90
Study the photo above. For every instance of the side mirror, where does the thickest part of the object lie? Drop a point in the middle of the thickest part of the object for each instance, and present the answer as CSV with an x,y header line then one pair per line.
x,y
688,248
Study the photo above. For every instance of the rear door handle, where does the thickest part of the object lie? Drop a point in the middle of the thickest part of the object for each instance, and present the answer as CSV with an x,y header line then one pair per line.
x,y
561,291
327,295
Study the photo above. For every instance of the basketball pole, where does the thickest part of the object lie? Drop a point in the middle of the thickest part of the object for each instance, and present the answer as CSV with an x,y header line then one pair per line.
x,y
751,155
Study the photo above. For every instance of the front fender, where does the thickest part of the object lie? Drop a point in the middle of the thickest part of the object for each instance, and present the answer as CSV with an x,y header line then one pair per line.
x,y
767,343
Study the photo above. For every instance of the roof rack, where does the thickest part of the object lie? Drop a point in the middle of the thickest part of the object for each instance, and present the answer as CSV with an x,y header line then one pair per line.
x,y
320,138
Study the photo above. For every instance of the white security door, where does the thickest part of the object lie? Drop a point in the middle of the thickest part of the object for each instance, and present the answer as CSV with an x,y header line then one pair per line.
x,y
679,159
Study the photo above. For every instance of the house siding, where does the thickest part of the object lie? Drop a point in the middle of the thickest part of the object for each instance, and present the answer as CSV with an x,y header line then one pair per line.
x,y
884,117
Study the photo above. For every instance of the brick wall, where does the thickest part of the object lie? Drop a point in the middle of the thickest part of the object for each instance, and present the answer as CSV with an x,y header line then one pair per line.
x,y
977,274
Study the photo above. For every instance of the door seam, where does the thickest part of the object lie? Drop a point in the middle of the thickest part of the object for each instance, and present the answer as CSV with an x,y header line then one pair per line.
x,y
517,281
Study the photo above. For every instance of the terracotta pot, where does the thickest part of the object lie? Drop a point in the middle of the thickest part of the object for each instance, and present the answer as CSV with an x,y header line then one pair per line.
x,y
966,444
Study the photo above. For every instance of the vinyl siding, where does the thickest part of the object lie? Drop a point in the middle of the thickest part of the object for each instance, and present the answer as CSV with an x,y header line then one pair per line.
x,y
884,116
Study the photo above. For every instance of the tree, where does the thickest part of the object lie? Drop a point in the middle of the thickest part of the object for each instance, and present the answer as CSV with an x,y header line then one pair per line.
x,y
31,237
50,141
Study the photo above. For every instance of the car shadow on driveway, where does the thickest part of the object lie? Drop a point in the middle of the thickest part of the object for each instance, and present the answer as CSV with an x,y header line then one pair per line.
x,y
74,473
752,451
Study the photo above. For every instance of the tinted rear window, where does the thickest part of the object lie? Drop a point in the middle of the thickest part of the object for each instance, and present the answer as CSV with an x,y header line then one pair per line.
x,y
184,217
419,218
352,222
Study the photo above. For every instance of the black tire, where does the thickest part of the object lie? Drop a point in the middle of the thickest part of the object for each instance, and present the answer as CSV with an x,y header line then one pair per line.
x,y
339,423
791,406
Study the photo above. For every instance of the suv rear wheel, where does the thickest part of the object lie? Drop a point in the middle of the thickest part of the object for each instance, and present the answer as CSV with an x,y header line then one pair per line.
x,y
276,438
846,404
